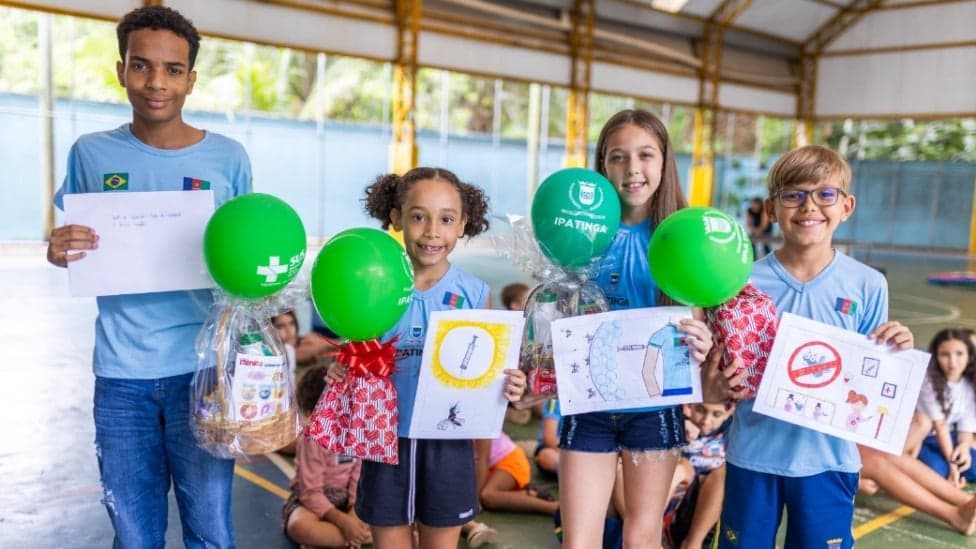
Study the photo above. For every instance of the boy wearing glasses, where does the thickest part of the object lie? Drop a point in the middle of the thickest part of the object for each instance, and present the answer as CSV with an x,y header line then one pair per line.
x,y
772,464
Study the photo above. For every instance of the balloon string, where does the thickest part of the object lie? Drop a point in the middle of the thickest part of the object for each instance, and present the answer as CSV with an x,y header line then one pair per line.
x,y
366,357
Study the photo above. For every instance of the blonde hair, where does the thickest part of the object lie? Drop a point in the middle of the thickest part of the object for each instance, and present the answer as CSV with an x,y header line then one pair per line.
x,y
809,164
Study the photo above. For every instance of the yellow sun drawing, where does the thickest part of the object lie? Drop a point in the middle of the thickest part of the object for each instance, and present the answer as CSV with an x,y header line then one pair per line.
x,y
500,336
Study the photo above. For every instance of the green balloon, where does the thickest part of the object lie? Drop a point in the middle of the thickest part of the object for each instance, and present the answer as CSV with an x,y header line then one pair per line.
x,y
575,216
254,245
700,256
362,283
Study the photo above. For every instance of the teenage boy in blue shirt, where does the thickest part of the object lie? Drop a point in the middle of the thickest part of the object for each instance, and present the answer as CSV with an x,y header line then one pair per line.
x,y
144,358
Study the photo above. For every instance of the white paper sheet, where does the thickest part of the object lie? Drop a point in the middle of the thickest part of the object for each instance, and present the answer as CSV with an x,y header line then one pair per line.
x,y
624,359
841,383
148,241
459,393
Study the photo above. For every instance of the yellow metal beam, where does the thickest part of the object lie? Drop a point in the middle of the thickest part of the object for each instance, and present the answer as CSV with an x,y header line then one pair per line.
x,y
403,150
703,155
577,108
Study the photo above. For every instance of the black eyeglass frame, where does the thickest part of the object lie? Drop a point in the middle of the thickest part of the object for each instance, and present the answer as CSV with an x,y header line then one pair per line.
x,y
812,193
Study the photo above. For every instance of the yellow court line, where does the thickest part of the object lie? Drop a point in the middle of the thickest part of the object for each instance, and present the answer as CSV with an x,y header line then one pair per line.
x,y
262,482
866,528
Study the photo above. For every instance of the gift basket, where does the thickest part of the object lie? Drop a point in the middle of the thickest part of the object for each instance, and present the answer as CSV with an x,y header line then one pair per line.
x,y
242,396
243,392
575,216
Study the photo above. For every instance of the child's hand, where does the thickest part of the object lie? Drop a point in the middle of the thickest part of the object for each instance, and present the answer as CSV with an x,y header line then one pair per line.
x,y
354,530
894,334
961,457
335,372
718,386
691,430
67,243
514,384
700,337
955,476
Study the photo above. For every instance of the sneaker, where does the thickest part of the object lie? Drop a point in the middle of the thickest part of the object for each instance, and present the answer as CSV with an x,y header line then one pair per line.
x,y
481,534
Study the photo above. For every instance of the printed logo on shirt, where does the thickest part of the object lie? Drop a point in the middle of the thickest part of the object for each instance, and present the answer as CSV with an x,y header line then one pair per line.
x,y
115,182
454,300
834,543
845,306
193,184
416,331
732,536
614,278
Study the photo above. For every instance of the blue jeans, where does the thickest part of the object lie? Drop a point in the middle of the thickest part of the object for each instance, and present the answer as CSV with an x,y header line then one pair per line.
x,y
142,440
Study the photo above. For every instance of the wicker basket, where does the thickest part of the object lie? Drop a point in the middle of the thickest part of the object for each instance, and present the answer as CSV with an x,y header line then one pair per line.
x,y
220,434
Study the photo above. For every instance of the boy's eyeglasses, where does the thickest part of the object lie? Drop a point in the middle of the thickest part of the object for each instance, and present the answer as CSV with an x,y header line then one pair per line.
x,y
794,198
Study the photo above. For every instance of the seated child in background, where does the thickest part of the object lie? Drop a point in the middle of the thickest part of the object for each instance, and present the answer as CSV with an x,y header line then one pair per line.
x,y
320,510
315,344
507,484
941,435
514,296
698,486
286,325
911,482
547,451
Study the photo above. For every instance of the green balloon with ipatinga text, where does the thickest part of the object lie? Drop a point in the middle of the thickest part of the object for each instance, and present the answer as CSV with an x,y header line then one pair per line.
x,y
254,245
575,216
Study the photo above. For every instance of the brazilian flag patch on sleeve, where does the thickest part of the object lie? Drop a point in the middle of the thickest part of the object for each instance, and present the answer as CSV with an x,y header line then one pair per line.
x,y
115,182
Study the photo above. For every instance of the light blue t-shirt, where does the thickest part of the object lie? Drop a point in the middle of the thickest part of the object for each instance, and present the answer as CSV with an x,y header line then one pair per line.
x,y
675,358
624,275
151,336
846,294
455,290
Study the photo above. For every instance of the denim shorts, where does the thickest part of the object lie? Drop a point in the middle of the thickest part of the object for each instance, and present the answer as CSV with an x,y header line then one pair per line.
x,y
605,432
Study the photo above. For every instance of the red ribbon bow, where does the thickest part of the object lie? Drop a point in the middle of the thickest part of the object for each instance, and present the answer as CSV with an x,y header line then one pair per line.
x,y
366,357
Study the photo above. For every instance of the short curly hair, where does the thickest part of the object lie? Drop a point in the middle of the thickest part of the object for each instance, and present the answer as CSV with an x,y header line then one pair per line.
x,y
387,193
158,18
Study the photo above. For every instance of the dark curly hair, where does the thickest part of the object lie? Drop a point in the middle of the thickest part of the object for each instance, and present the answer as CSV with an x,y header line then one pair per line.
x,y
388,192
311,383
936,376
158,18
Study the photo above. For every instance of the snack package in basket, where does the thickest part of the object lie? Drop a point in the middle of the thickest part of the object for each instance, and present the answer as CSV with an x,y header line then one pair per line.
x,y
358,416
747,325
242,393
549,302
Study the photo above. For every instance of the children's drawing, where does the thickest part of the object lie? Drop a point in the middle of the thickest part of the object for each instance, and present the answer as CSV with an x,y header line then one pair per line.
x,y
841,383
624,359
465,351
453,420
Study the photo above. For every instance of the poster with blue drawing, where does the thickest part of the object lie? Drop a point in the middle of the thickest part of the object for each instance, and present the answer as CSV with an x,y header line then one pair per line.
x,y
841,383
624,359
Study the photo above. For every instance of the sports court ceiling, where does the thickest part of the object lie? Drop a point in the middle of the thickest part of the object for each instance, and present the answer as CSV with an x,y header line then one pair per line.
x,y
820,58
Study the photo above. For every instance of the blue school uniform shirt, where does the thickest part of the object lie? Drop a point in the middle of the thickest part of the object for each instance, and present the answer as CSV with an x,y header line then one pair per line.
x,y
624,275
846,294
151,336
455,290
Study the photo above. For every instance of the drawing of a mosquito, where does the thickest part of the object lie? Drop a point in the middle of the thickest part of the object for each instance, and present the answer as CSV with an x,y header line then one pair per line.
x,y
574,368
568,333
590,393
453,420
589,338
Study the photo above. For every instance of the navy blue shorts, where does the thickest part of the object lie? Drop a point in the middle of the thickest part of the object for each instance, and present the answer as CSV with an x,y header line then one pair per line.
x,y
434,484
606,432
819,508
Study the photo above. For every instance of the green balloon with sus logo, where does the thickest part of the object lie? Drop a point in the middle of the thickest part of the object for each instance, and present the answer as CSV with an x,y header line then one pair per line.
x,y
575,216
